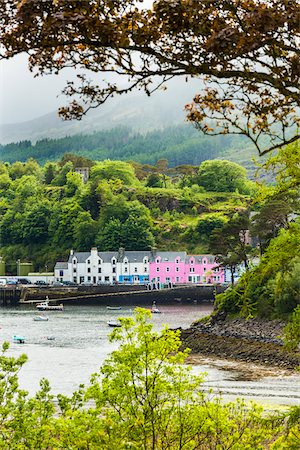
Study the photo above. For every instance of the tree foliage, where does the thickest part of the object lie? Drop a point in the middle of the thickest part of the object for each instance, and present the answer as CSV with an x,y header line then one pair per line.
x,y
245,51
143,397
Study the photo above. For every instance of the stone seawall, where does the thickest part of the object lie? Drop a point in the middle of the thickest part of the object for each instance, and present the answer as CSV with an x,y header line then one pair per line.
x,y
121,294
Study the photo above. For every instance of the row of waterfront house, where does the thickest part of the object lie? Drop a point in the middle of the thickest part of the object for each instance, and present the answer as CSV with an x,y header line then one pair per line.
x,y
139,267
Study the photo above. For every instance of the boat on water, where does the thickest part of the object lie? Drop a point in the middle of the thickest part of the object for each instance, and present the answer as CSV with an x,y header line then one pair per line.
x,y
112,308
40,319
114,323
154,309
44,306
18,339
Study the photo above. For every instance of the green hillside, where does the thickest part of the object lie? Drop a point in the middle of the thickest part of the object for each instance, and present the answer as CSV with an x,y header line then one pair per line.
x,y
178,144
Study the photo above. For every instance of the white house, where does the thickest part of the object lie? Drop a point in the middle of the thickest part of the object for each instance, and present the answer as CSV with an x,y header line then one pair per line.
x,y
105,267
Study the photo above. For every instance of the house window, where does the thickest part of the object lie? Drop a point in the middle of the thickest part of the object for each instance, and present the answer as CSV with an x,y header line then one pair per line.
x,y
157,260
125,261
177,260
125,269
89,270
167,269
75,279
158,278
99,262
106,278
74,269
135,270
61,273
113,261
191,261
177,279
192,269
145,269
99,269
145,260
168,279
74,261
177,269
113,270
146,279
157,269
99,278
89,278
204,261
204,269
190,279
114,279
88,261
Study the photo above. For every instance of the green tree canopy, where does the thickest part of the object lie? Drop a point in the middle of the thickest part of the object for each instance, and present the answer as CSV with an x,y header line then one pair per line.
x,y
223,176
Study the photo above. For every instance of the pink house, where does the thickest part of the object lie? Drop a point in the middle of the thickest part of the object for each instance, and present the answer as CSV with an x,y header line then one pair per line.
x,y
178,267
203,269
166,267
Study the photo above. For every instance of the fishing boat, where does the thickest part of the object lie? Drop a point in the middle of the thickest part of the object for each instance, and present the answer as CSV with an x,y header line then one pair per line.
x,y
112,308
114,323
18,339
44,306
154,309
40,319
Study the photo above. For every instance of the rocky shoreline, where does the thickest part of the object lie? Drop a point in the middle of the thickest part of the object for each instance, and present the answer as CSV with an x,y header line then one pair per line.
x,y
253,341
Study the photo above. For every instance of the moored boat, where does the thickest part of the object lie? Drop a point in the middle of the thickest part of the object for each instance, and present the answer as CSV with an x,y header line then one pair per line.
x,y
114,323
114,307
40,319
44,306
18,339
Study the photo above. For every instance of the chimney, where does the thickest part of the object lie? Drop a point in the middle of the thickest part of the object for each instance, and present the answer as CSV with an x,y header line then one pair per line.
x,y
121,253
153,251
71,252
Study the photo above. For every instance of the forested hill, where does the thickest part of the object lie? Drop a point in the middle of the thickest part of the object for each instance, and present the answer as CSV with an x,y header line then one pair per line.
x,y
178,144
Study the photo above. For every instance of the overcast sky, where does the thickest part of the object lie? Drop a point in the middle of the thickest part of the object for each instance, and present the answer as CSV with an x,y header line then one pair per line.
x,y
23,97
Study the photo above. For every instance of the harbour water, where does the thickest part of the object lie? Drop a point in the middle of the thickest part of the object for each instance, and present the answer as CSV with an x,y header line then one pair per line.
x,y
73,344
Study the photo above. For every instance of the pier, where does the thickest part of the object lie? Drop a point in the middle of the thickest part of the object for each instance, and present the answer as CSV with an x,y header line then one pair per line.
x,y
109,294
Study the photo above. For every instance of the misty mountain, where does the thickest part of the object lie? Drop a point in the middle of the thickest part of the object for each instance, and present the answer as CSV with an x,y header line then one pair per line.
x,y
135,110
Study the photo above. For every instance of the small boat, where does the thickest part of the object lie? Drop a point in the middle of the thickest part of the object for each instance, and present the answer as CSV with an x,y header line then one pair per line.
x,y
19,339
44,306
116,308
155,311
114,323
40,319
50,338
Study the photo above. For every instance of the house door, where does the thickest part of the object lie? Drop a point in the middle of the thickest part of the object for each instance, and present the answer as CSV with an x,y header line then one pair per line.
x,y
136,279
94,280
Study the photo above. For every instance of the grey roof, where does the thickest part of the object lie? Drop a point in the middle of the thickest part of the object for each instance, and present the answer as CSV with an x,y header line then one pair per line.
x,y
80,256
61,265
135,255
132,256
169,256
199,258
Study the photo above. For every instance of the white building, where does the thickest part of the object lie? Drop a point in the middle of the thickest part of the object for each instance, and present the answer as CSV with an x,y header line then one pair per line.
x,y
105,267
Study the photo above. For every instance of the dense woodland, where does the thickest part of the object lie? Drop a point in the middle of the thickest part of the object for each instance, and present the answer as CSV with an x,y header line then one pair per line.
x,y
179,145
46,210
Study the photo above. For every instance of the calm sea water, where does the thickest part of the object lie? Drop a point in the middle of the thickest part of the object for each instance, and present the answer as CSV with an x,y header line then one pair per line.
x,y
79,344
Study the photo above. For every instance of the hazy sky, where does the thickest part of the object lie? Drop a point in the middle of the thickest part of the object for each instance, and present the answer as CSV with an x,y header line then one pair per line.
x,y
23,97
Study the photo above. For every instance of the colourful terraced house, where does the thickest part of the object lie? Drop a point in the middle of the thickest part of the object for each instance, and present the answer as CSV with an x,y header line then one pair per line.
x,y
178,267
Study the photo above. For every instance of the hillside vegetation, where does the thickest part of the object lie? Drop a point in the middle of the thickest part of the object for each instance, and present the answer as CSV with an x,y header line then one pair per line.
x,y
47,210
178,144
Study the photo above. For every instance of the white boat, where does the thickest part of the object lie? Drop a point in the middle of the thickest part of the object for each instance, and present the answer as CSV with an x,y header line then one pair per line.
x,y
44,306
114,323
40,319
114,307
155,311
